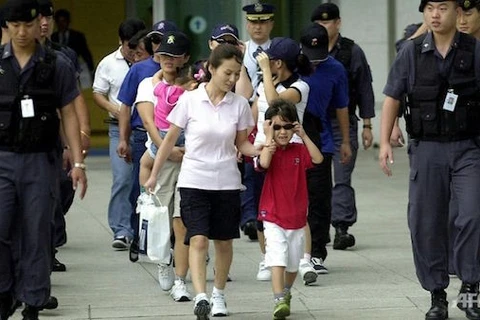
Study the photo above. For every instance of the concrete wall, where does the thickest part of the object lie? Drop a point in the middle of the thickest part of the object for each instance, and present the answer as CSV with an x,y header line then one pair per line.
x,y
366,21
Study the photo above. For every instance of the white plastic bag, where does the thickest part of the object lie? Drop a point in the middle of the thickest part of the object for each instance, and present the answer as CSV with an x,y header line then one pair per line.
x,y
154,228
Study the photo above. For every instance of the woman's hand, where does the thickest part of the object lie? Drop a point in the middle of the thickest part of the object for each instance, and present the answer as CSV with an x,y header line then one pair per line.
x,y
150,184
263,61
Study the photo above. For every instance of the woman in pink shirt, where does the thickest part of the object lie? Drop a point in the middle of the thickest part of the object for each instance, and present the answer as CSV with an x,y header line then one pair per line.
x,y
215,121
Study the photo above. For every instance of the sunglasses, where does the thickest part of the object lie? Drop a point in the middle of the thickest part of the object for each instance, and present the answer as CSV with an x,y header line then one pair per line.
x,y
287,126
155,38
220,40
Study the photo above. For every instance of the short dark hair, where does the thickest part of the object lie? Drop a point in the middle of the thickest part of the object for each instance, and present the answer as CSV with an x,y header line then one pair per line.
x,y
141,37
62,13
282,108
224,52
129,28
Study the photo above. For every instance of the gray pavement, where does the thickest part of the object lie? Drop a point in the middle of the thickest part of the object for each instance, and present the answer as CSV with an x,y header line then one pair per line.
x,y
374,280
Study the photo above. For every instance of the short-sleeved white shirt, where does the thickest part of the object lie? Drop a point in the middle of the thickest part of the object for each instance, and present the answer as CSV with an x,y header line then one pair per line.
x,y
210,160
109,76
145,94
262,105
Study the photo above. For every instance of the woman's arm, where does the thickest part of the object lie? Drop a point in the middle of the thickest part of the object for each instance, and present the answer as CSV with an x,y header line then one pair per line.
x,y
243,86
162,154
145,110
244,146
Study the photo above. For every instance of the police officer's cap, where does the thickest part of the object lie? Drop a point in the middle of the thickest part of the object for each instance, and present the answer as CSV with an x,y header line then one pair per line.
x,y
423,3
259,11
21,10
469,4
45,8
325,11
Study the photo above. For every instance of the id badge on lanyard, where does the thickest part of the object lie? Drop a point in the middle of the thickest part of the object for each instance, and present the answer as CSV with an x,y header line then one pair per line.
x,y
450,101
28,110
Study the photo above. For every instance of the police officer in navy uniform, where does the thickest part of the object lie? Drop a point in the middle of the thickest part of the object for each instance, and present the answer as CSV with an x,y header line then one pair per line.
x,y
259,26
34,84
344,210
440,74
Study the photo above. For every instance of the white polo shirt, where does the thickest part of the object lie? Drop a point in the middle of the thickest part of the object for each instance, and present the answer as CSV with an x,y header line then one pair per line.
x,y
262,105
210,160
109,76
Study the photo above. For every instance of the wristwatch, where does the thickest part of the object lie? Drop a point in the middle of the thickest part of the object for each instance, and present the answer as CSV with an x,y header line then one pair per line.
x,y
80,165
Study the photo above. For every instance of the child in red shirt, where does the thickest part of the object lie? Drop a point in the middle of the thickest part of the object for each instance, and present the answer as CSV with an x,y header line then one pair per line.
x,y
284,199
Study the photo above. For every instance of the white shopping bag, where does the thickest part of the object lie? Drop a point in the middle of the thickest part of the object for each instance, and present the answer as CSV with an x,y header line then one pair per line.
x,y
154,228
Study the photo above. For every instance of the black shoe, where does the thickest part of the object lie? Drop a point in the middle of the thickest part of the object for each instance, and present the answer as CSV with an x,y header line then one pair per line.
x,y
8,305
468,300
250,230
30,313
133,251
439,308
58,266
343,239
52,303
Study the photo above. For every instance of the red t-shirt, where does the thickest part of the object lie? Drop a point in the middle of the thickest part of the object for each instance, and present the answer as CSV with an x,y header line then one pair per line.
x,y
284,199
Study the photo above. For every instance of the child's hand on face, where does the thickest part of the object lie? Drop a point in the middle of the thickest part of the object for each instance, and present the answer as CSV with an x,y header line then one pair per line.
x,y
298,129
268,129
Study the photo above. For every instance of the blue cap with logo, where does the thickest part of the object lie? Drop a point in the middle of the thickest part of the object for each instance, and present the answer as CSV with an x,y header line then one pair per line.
x,y
174,44
314,42
259,11
225,29
163,26
283,48
20,10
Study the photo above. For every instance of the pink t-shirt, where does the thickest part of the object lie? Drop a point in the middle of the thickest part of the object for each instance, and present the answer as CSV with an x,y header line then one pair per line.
x,y
167,97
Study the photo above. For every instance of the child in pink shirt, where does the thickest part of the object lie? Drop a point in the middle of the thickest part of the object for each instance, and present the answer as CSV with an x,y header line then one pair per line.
x,y
166,96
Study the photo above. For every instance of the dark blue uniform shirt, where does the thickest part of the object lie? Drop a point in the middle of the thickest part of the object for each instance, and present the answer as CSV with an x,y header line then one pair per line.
x,y
402,73
64,82
360,71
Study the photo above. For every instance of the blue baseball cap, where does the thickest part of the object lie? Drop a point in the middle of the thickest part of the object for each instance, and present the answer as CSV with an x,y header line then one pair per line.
x,y
174,44
163,26
314,42
225,29
283,48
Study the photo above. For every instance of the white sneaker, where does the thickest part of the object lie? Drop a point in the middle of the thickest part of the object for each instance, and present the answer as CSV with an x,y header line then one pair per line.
x,y
319,266
202,307
166,276
264,272
307,272
219,306
179,291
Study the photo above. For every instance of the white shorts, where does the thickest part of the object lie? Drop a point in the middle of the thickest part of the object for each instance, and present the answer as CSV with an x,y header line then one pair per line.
x,y
284,248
